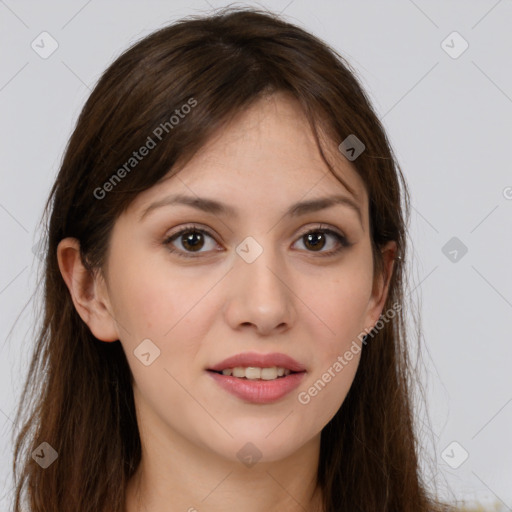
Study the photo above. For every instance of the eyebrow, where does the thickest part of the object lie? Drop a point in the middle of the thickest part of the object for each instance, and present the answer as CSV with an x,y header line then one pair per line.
x,y
216,208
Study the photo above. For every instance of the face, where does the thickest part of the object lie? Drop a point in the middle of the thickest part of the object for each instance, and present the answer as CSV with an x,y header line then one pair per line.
x,y
201,285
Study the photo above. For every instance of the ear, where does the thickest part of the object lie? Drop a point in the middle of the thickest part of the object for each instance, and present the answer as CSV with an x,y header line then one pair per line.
x,y
381,285
88,291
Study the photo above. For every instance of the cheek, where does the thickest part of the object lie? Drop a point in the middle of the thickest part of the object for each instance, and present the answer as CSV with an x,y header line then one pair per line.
x,y
339,300
158,302
145,302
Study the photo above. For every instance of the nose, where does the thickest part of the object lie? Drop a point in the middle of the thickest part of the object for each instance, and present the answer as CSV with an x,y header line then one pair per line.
x,y
260,295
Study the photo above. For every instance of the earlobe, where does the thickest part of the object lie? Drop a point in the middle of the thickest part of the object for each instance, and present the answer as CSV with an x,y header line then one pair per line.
x,y
87,291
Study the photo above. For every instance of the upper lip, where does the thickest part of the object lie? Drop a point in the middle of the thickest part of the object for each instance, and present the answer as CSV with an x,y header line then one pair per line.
x,y
260,361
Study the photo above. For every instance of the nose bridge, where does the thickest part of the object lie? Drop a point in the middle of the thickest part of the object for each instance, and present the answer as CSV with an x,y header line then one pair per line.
x,y
260,294
260,268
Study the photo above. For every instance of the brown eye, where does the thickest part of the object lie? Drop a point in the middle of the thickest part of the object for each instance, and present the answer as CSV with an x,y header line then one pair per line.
x,y
190,240
315,240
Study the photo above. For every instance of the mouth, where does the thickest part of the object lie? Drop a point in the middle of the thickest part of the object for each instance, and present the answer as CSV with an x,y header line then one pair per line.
x,y
256,373
258,378
253,365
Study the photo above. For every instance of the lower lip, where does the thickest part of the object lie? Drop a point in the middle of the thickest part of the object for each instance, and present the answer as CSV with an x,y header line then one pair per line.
x,y
259,391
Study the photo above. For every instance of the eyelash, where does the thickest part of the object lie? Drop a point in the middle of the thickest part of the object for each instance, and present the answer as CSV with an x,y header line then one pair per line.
x,y
344,243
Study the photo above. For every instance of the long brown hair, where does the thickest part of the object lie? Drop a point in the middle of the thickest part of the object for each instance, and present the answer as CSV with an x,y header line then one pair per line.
x,y
81,388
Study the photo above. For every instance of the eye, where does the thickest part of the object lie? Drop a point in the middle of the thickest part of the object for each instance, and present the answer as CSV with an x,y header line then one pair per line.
x,y
316,239
193,239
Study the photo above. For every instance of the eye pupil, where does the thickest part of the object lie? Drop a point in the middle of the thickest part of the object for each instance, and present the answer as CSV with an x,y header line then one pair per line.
x,y
193,240
314,239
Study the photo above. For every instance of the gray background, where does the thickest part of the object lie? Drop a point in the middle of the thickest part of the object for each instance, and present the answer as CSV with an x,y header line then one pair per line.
x,y
450,123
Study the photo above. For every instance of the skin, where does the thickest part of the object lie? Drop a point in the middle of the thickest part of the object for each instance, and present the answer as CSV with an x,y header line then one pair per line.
x,y
198,311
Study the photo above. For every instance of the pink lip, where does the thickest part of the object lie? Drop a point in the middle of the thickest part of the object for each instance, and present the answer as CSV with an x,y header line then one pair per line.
x,y
259,360
258,391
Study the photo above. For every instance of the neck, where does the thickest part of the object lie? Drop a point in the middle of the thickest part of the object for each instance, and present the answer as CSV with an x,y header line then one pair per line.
x,y
178,480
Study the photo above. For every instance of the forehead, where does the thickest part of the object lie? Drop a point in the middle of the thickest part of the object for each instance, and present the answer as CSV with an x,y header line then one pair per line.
x,y
267,155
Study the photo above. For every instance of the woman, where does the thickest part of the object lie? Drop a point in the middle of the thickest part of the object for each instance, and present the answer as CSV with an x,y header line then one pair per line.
x,y
224,324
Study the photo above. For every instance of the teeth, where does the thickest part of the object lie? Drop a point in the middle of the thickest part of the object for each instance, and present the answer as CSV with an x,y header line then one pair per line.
x,y
253,372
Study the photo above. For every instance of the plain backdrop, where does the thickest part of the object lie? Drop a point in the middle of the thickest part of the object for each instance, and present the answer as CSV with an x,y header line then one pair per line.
x,y
445,101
